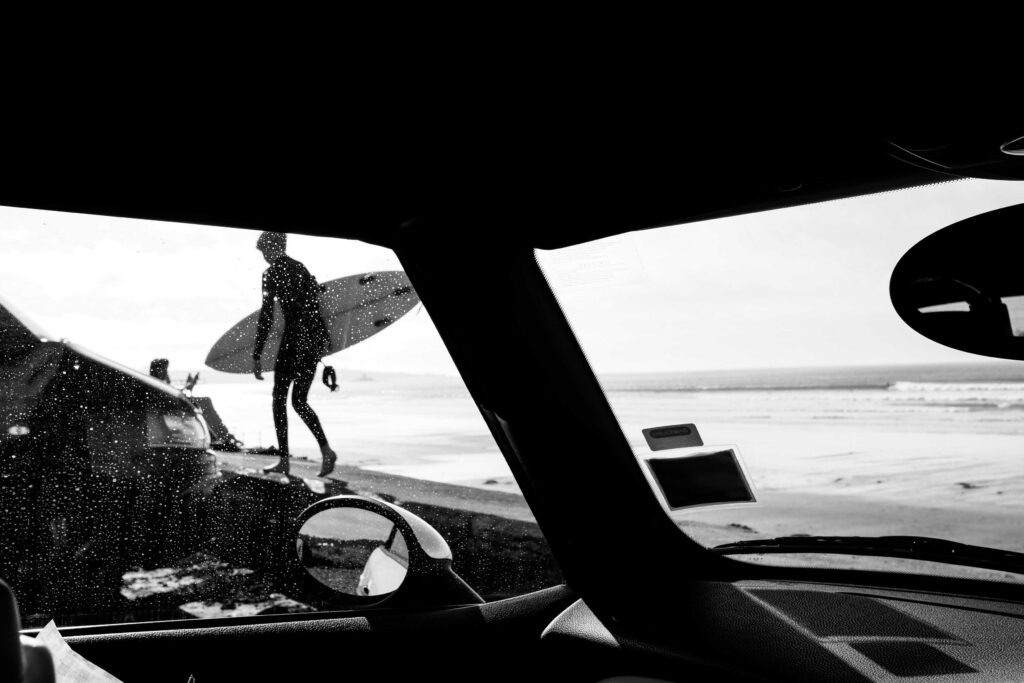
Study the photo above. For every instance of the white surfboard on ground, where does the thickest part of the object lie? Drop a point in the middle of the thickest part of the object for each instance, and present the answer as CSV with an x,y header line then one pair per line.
x,y
354,308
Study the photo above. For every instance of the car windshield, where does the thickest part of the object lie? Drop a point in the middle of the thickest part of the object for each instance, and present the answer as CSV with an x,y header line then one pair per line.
x,y
769,341
144,473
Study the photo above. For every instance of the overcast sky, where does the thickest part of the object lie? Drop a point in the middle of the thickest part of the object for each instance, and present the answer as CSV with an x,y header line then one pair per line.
x,y
807,286
803,286
136,290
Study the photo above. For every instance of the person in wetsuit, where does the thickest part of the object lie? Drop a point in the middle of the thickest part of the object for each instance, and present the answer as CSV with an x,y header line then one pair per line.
x,y
304,342
158,369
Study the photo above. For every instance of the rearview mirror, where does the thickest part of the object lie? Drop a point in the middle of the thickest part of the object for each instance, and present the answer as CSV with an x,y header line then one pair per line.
x,y
963,286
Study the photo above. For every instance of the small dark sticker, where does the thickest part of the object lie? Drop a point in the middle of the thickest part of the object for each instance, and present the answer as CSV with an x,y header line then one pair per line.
x,y
382,322
367,279
702,479
664,432
673,436
402,290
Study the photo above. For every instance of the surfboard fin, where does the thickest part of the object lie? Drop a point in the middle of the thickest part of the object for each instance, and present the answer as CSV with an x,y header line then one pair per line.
x,y
329,378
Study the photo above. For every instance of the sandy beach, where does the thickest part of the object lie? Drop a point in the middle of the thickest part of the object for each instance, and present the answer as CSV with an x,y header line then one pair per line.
x,y
940,460
854,462
422,426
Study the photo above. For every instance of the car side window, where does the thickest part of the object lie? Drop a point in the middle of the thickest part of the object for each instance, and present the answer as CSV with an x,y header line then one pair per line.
x,y
172,397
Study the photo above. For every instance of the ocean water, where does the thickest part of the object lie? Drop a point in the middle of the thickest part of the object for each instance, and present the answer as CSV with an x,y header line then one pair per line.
x,y
812,427
976,397
428,425
959,376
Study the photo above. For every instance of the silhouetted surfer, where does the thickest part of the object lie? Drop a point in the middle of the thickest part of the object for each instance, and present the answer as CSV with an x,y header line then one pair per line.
x,y
304,341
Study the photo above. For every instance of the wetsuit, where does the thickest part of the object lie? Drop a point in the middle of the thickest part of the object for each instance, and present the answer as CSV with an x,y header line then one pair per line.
x,y
305,335
303,343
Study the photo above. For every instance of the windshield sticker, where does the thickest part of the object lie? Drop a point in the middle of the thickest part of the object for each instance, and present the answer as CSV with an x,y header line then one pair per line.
x,y
702,478
673,436
612,261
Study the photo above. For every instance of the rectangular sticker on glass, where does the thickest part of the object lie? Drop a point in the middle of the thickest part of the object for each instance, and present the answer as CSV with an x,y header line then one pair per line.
x,y
709,477
672,436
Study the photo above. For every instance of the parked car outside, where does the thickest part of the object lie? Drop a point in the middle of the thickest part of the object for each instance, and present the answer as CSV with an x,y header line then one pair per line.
x,y
101,468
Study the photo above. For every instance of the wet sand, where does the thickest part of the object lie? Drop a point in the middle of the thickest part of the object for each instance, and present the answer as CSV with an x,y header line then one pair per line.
x,y
400,488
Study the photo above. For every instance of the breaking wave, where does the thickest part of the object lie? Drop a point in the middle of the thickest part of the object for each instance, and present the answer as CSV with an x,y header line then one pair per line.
x,y
970,395
960,387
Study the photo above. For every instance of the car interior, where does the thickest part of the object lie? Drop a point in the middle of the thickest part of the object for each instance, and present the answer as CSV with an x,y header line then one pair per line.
x,y
465,212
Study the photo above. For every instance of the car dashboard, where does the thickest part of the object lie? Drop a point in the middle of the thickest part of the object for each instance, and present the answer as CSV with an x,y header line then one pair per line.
x,y
777,630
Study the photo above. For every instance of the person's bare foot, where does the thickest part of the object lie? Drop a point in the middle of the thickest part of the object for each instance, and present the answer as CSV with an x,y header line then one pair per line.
x,y
280,468
329,458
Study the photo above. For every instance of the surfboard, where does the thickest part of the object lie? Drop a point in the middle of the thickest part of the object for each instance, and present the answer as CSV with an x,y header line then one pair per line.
x,y
354,308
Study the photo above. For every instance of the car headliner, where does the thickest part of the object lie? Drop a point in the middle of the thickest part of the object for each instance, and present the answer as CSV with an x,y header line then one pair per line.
x,y
530,188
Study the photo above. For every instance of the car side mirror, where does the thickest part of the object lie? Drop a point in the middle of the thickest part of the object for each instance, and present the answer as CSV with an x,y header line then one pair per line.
x,y
374,552
963,286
